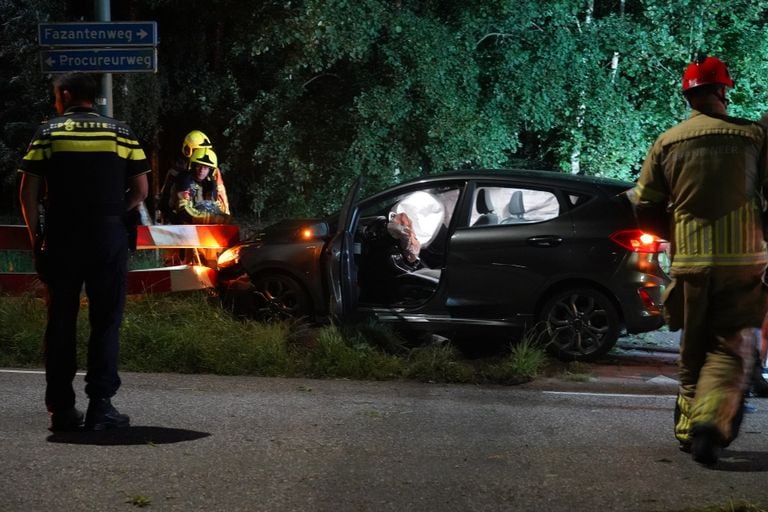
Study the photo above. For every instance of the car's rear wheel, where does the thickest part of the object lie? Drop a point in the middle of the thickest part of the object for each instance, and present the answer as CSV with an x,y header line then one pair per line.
x,y
579,324
282,297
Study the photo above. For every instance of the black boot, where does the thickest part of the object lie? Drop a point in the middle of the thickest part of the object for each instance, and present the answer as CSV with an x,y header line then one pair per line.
x,y
102,415
759,384
68,420
707,444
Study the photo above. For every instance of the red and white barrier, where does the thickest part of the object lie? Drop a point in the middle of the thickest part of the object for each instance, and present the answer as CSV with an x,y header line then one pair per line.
x,y
198,236
179,278
19,283
163,279
14,238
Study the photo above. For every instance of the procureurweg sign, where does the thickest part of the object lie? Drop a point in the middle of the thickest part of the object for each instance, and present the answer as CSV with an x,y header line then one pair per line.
x,y
104,60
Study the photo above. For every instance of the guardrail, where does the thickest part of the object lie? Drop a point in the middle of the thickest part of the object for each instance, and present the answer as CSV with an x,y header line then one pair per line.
x,y
161,279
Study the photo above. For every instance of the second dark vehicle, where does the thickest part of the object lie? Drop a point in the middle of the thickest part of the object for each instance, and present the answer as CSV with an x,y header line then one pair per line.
x,y
509,249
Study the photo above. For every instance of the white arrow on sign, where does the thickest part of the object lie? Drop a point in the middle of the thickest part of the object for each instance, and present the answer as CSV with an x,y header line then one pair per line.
x,y
143,33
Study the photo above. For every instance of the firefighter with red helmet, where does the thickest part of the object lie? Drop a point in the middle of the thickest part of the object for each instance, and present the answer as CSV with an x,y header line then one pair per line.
x,y
708,174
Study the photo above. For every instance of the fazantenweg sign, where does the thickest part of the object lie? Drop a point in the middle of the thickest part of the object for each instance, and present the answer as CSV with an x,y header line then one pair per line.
x,y
119,33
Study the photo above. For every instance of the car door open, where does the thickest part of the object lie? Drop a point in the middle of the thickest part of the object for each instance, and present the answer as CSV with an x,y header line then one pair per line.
x,y
338,263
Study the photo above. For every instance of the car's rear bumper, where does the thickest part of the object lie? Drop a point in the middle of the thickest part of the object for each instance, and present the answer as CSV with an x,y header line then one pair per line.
x,y
644,324
642,306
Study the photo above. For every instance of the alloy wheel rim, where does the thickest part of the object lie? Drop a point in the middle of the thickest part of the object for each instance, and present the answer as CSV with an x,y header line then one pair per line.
x,y
578,324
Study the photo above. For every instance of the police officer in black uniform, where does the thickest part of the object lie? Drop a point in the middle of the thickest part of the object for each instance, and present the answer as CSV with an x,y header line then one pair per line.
x,y
91,171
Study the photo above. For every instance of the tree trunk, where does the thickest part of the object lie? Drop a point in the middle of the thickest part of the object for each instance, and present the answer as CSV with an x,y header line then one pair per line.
x,y
615,59
576,151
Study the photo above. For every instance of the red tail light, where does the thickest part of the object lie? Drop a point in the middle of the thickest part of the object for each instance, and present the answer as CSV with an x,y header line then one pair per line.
x,y
637,240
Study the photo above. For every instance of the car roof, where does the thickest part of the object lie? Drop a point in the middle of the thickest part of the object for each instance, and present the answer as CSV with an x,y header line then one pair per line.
x,y
530,176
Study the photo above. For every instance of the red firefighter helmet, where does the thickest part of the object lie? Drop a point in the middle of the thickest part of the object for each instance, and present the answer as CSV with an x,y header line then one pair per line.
x,y
710,70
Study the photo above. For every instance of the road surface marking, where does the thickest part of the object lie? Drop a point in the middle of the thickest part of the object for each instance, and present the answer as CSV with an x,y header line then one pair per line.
x,y
615,395
33,372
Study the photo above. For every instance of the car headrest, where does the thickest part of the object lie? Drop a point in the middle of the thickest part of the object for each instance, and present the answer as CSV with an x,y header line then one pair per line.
x,y
515,206
481,202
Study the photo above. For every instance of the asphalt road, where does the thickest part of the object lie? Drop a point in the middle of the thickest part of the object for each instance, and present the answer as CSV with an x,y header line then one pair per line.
x,y
211,443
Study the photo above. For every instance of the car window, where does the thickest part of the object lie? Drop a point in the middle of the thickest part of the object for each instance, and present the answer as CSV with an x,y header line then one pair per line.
x,y
577,199
425,211
508,205
428,210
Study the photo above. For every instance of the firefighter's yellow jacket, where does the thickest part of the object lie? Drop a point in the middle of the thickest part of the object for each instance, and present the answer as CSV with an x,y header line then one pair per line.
x,y
709,172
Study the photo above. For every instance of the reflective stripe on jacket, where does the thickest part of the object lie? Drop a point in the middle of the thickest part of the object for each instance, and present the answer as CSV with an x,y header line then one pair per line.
x,y
86,160
709,170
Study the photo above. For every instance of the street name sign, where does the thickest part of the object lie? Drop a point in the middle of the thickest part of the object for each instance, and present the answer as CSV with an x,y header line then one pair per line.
x,y
118,33
101,60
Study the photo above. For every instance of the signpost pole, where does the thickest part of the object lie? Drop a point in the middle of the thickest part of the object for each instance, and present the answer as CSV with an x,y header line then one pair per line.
x,y
103,13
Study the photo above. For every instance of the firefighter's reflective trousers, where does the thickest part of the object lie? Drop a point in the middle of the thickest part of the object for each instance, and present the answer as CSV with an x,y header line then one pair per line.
x,y
719,309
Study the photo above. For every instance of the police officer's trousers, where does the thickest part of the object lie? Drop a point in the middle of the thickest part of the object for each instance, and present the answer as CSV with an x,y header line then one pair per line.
x,y
95,255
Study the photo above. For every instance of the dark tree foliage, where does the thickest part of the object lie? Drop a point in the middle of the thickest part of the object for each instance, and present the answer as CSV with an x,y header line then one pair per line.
x,y
300,97
25,95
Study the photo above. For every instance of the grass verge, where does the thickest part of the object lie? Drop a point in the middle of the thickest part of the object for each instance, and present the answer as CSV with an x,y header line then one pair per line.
x,y
190,333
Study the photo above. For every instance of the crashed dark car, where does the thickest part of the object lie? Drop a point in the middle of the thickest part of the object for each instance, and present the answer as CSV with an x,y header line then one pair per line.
x,y
511,250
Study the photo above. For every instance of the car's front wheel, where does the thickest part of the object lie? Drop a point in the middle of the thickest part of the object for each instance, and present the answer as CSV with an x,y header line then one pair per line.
x,y
579,324
282,297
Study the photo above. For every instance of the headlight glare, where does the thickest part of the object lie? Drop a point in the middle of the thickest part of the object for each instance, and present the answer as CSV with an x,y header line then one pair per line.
x,y
229,258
